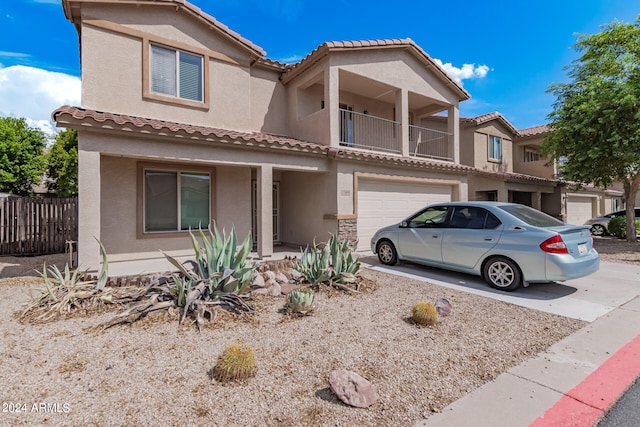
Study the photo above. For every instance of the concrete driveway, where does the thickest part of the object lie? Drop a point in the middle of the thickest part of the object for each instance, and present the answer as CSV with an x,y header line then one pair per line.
x,y
586,298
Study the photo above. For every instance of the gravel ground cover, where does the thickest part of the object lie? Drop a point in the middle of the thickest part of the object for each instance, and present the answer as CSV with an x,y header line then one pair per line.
x,y
155,372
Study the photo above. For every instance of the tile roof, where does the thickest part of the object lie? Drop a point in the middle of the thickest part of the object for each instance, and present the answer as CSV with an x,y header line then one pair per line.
x,y
77,117
516,177
484,118
67,115
322,50
533,131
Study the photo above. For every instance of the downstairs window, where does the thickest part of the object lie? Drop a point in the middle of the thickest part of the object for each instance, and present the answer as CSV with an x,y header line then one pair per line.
x,y
175,200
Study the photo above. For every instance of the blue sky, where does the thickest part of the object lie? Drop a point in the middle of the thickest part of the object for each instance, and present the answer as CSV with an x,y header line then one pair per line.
x,y
505,53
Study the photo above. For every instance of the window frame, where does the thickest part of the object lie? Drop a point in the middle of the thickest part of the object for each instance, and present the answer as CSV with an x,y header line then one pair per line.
x,y
141,197
491,148
148,92
531,155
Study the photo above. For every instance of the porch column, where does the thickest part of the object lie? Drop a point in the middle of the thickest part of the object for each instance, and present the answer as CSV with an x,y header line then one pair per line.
x,y
88,210
264,202
402,107
453,127
332,102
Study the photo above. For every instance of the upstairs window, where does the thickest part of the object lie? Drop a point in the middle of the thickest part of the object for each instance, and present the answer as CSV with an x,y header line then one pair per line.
x,y
176,73
531,155
495,148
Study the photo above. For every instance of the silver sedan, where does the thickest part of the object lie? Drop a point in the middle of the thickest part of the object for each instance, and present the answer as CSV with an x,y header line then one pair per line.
x,y
508,244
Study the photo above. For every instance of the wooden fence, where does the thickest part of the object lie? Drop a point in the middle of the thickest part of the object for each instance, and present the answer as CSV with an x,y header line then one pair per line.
x,y
37,226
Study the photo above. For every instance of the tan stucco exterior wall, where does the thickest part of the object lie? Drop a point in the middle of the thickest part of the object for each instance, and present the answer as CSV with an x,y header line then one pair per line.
x,y
481,148
240,97
537,168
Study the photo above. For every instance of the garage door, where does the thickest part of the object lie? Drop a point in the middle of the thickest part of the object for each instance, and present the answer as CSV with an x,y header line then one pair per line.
x,y
579,209
383,203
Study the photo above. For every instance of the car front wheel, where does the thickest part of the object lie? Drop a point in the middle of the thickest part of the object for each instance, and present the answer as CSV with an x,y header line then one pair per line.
x,y
598,230
502,273
387,253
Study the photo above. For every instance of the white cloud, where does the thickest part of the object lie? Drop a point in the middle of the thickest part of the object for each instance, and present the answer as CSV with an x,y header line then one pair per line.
x,y
33,93
468,71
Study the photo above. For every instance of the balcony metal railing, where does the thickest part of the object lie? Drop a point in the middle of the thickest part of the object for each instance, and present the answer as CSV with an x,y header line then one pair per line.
x,y
430,143
378,134
369,132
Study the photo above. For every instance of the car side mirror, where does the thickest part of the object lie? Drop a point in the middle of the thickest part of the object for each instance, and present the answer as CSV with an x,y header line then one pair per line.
x,y
404,224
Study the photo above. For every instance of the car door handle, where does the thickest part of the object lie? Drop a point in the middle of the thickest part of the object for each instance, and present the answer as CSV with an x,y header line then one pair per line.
x,y
488,239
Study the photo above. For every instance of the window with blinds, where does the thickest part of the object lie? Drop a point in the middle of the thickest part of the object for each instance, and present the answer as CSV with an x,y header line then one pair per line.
x,y
176,200
176,73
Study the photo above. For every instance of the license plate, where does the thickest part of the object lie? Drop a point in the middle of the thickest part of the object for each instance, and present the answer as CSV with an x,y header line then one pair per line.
x,y
582,249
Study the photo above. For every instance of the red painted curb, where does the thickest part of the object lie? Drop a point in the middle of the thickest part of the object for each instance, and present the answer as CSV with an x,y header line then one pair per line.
x,y
587,402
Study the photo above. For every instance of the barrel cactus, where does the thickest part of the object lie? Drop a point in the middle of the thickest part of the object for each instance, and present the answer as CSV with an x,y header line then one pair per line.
x,y
236,363
424,314
300,301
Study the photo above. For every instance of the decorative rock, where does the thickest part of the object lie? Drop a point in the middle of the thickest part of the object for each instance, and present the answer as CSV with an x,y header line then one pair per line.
x,y
285,288
275,289
260,291
352,389
258,281
281,278
443,306
295,275
269,275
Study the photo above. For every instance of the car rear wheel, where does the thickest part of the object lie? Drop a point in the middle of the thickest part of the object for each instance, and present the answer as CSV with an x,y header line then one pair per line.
x,y
502,273
598,230
387,253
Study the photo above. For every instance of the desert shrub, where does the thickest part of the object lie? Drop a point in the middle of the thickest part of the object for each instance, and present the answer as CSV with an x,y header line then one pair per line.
x,y
618,227
236,363
67,291
333,262
300,301
220,275
424,314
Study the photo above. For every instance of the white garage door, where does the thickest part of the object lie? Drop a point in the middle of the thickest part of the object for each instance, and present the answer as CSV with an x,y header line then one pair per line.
x,y
579,209
383,203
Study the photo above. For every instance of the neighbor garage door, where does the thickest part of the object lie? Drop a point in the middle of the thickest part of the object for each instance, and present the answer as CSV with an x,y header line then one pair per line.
x,y
579,209
383,203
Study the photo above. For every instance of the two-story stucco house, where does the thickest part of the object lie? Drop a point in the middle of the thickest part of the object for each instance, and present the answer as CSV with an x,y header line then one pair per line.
x,y
577,205
184,122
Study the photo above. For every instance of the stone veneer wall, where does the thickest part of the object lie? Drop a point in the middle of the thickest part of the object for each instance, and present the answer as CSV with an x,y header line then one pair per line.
x,y
348,229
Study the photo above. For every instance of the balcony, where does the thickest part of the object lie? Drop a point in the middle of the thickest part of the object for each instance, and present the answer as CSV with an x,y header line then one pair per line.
x,y
430,143
367,132
370,133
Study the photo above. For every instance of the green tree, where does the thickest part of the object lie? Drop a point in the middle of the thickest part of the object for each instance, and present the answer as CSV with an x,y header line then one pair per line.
x,y
595,125
21,156
62,164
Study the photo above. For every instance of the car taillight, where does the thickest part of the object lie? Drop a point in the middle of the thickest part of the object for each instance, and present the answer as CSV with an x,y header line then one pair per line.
x,y
554,245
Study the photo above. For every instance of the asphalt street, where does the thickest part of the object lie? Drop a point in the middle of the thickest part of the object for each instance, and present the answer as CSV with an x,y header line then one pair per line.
x,y
626,412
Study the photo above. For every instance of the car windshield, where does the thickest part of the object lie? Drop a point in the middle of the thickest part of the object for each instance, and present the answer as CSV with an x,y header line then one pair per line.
x,y
531,216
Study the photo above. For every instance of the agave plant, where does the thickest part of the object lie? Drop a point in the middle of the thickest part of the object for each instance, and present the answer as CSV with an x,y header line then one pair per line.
x,y
332,263
344,264
65,291
300,301
314,264
220,272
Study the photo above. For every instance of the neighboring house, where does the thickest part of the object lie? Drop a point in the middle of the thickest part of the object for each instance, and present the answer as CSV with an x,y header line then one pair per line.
x,y
577,206
487,144
184,122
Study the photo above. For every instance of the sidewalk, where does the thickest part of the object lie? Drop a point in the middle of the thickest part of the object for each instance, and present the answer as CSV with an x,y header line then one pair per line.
x,y
573,383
